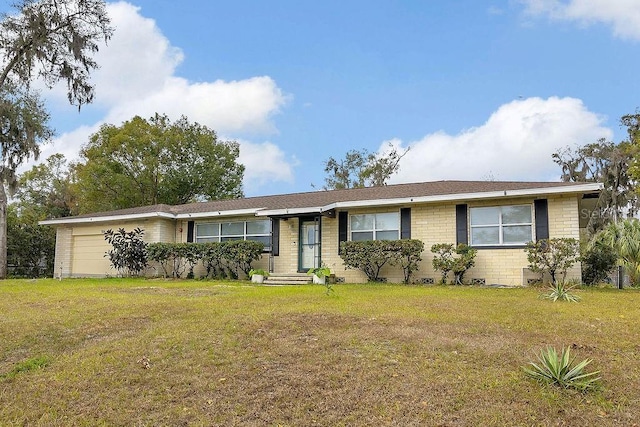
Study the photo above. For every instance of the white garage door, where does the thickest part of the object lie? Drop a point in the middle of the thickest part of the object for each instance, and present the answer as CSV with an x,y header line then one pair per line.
x,y
88,256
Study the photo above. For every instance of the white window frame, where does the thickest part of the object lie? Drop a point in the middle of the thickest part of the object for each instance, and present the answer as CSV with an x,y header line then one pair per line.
x,y
374,230
501,226
220,236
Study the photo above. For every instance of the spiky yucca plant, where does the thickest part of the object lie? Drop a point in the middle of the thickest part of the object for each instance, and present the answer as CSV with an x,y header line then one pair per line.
x,y
558,369
560,291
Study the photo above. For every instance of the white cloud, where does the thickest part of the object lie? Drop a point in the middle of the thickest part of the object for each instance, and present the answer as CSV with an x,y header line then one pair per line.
x,y
516,143
137,61
264,163
236,106
67,143
137,77
622,15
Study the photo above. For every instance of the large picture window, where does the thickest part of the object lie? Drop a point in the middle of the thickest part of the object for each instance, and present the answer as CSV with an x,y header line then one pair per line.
x,y
382,226
259,230
501,225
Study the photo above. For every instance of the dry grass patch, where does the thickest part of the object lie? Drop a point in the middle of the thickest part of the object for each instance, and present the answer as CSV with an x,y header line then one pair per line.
x,y
210,353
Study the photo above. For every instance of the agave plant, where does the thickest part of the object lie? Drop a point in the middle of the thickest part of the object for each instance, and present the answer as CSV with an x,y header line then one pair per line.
x,y
558,369
560,291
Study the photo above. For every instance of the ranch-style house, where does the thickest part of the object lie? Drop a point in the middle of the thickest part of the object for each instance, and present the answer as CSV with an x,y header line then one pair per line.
x,y
304,230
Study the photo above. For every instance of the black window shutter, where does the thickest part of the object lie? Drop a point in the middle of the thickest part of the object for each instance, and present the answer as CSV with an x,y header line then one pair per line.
x,y
461,225
190,227
542,218
343,220
275,236
405,223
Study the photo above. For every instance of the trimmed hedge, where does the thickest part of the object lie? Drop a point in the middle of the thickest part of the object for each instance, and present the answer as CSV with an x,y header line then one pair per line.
x,y
221,259
371,255
450,258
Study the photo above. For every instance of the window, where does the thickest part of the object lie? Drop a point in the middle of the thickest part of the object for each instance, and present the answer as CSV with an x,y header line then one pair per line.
x,y
259,231
501,225
383,226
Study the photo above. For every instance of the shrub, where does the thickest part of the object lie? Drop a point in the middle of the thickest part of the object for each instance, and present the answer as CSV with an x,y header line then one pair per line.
x,y
371,255
212,259
172,257
463,262
239,254
162,254
408,255
367,256
624,238
190,253
557,369
598,261
445,260
129,253
553,256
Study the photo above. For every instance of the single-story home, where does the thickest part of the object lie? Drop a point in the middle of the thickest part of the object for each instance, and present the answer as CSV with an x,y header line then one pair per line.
x,y
304,230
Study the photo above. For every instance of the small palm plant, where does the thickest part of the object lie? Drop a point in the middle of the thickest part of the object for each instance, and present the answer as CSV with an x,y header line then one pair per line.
x,y
560,291
558,369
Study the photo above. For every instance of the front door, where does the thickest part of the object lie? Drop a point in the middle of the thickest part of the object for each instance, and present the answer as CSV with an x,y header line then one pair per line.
x,y
309,244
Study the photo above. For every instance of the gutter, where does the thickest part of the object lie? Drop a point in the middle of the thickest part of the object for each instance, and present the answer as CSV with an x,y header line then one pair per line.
x,y
106,218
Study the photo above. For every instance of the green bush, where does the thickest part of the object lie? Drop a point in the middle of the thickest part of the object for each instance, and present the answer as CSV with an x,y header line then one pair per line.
x,y
162,253
240,254
129,253
174,257
598,261
408,255
624,238
212,259
445,260
371,255
553,256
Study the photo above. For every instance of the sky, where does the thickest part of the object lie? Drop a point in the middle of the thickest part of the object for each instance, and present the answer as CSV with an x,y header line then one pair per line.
x,y
476,90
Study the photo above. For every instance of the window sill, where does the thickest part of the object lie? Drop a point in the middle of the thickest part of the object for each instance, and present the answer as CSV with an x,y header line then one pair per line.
x,y
521,246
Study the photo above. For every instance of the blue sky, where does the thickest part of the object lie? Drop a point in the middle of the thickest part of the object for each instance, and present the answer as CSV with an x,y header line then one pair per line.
x,y
477,89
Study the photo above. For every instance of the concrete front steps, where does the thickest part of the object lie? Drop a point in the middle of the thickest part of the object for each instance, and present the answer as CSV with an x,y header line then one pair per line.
x,y
287,279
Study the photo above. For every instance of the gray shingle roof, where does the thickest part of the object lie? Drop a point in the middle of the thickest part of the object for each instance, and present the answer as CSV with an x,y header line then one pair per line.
x,y
324,198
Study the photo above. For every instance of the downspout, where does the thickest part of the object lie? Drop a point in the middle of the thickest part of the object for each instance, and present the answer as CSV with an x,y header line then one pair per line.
x,y
270,267
319,245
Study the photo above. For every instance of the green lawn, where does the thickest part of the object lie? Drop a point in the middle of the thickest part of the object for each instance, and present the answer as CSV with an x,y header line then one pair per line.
x,y
154,352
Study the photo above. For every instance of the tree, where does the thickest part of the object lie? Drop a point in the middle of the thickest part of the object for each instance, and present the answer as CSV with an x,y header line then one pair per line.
x,y
47,188
49,40
30,247
608,163
43,192
360,168
147,162
23,125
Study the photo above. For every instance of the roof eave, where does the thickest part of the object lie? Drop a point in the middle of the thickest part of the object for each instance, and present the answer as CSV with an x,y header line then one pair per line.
x,y
214,214
106,218
573,189
291,211
262,212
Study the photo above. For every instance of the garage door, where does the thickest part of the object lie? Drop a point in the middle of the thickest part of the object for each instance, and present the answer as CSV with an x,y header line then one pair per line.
x,y
88,256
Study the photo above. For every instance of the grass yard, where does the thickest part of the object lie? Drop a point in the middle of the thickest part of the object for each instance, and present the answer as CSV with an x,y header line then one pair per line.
x,y
153,352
